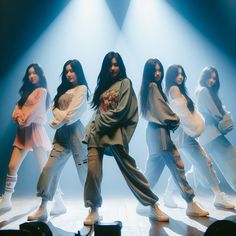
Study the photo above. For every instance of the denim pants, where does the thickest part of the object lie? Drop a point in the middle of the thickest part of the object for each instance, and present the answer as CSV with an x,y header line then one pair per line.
x,y
223,154
133,176
194,153
160,156
155,166
67,141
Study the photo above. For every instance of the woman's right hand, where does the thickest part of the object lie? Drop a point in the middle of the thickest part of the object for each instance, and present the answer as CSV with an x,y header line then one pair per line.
x,y
20,121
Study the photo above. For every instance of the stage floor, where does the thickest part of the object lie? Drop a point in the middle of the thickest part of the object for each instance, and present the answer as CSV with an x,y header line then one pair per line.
x,y
123,209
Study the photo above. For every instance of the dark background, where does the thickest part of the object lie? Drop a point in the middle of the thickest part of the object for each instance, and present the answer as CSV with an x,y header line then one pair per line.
x,y
21,23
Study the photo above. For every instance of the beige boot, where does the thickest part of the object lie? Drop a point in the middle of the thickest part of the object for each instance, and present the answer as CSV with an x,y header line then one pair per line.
x,y
194,210
41,214
158,215
92,217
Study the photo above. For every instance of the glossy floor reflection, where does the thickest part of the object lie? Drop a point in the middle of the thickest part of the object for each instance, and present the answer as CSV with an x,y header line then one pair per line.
x,y
123,209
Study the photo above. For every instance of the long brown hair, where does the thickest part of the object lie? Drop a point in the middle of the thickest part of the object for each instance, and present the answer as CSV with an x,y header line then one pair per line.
x,y
171,74
204,77
27,87
65,85
149,77
104,81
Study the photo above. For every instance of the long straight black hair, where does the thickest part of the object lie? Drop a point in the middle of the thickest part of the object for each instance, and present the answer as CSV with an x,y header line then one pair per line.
x,y
65,84
170,79
27,87
204,77
149,77
104,80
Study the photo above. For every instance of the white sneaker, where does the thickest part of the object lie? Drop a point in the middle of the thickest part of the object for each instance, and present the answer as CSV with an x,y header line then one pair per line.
x,y
92,217
5,203
41,214
222,201
142,210
169,200
194,210
155,213
58,207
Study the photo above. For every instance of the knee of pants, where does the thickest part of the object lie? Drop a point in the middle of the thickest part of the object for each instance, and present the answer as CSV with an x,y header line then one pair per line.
x,y
209,162
94,168
48,168
178,159
81,165
80,158
180,164
93,153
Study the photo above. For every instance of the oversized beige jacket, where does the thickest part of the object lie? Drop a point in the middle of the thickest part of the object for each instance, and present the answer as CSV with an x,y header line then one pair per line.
x,y
159,111
115,120
162,119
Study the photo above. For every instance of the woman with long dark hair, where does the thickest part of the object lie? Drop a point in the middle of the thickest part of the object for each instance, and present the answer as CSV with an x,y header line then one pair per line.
x,y
218,122
191,127
30,116
161,120
112,126
70,103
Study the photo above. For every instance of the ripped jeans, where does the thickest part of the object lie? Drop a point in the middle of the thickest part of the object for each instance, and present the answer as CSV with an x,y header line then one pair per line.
x,y
67,141
155,166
